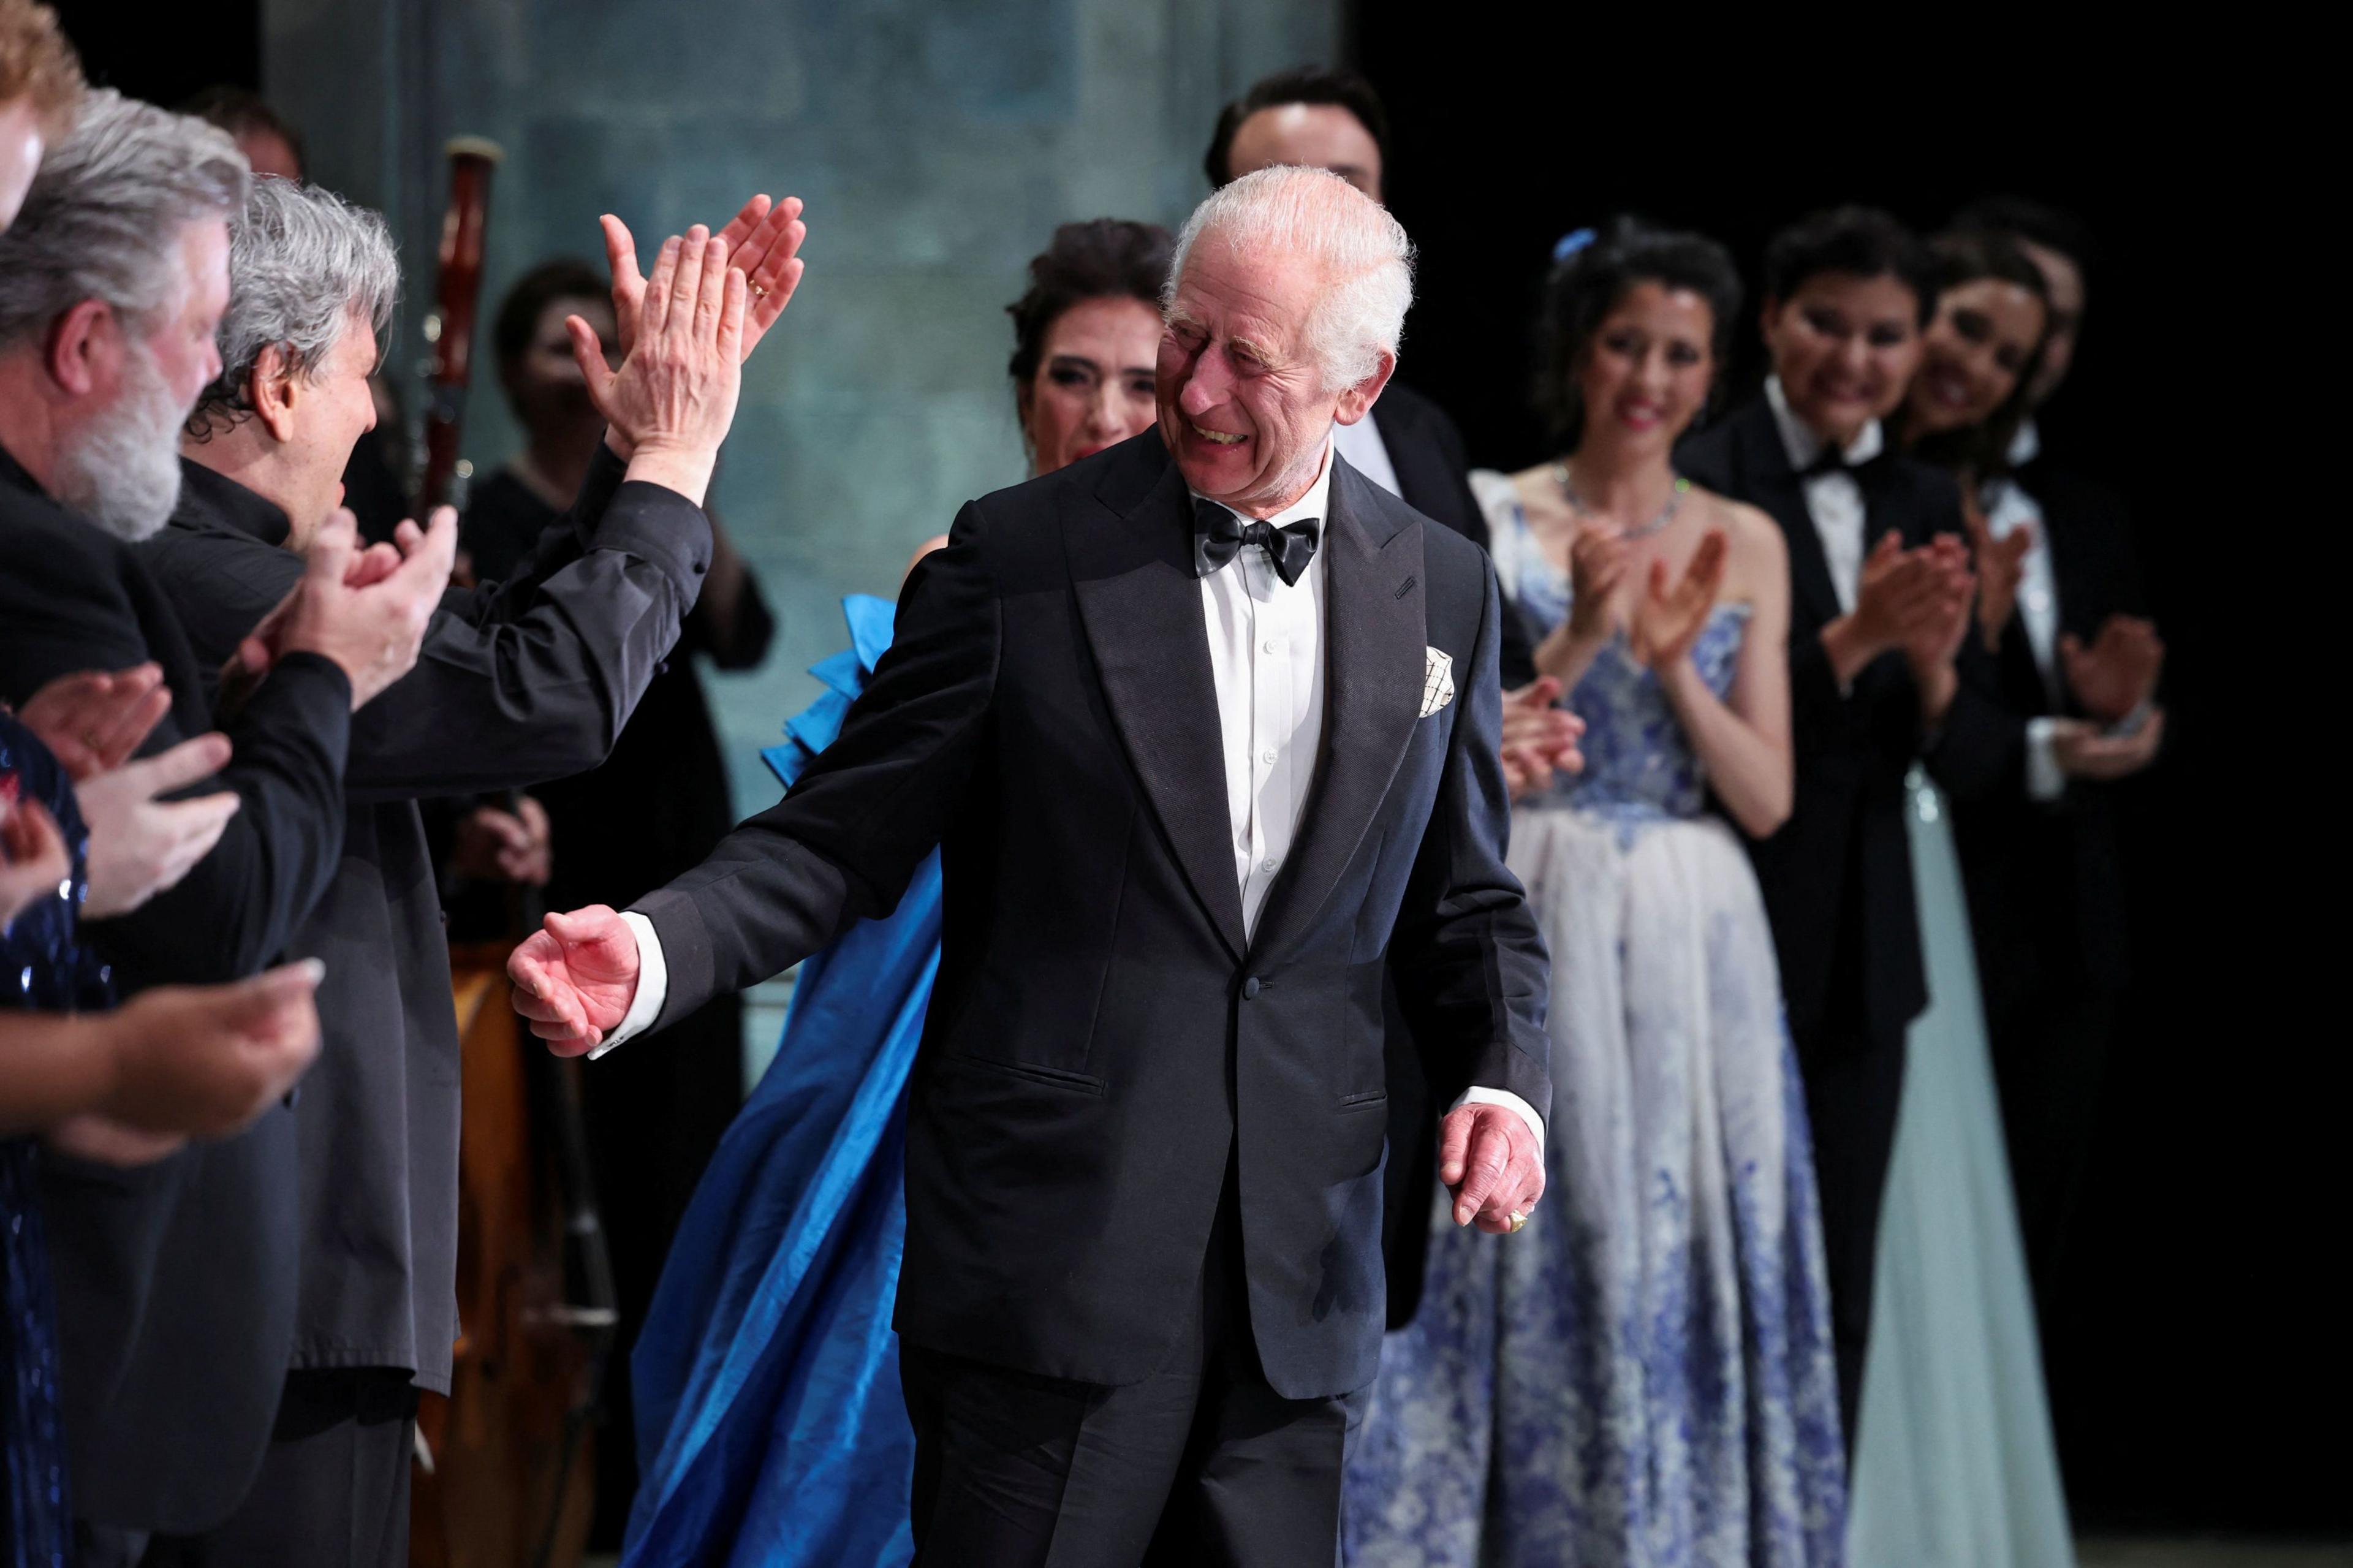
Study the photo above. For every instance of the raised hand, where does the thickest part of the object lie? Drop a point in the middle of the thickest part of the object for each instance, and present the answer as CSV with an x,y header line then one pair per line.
x,y
366,610
764,243
574,978
95,721
34,860
2001,564
1487,1157
1539,740
2119,672
1597,565
140,844
1669,619
673,398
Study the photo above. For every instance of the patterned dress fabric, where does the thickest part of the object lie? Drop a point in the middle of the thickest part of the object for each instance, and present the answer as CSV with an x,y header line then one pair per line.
x,y
42,968
1643,1377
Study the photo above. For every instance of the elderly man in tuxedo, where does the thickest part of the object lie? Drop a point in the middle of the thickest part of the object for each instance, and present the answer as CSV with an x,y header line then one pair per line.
x,y
1205,727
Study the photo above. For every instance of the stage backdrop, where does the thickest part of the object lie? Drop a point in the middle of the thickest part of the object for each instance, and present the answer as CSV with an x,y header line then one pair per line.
x,y
936,146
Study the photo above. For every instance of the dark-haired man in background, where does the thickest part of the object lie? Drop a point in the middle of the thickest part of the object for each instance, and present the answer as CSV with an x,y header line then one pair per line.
x,y
1880,617
2044,878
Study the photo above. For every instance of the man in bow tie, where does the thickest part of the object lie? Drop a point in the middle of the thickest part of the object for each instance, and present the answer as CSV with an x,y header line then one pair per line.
x,y
1207,729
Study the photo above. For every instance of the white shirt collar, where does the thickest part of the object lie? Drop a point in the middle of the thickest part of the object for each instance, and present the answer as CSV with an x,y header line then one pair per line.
x,y
2026,445
1315,503
1801,442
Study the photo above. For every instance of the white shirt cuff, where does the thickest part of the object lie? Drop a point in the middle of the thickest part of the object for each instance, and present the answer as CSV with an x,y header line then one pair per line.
x,y
2045,780
653,985
1475,1095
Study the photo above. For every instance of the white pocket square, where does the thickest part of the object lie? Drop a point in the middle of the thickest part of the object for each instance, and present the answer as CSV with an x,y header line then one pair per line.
x,y
1437,681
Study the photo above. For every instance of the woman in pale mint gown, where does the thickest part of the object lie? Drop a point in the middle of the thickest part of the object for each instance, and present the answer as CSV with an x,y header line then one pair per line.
x,y
1643,1376
1954,1464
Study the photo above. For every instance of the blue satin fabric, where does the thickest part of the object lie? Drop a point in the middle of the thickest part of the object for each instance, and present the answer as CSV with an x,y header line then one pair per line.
x,y
770,1426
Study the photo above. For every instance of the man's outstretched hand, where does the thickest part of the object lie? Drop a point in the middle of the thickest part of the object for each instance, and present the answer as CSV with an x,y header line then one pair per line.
x,y
1488,1159
574,978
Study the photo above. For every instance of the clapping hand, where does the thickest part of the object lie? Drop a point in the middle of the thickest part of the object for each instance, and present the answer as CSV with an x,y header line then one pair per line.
x,y
94,721
1488,1158
574,978
1941,618
763,242
2001,565
34,861
1539,739
199,1061
495,846
140,843
673,398
2119,672
1597,565
366,610
1669,619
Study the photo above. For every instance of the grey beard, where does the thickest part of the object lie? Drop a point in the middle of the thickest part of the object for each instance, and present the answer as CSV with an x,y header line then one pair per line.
x,y
123,471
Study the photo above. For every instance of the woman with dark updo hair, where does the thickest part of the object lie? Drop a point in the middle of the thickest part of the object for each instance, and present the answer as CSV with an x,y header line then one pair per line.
x,y
1644,1375
768,1376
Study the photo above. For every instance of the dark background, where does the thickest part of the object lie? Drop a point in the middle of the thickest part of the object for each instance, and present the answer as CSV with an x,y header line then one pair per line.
x,y
2199,1372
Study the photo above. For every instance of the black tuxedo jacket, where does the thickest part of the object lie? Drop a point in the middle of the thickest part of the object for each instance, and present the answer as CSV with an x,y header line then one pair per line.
x,y
1837,878
176,1282
523,680
2046,886
1103,1044
1434,477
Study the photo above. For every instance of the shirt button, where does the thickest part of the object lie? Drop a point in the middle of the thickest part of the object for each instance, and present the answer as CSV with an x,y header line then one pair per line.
x,y
1250,989
1273,644
1267,756
1268,865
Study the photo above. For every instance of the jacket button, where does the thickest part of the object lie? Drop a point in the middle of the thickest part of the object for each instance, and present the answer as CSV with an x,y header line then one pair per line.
x,y
1250,989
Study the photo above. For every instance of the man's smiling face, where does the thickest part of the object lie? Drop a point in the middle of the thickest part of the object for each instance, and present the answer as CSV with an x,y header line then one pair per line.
x,y
1242,404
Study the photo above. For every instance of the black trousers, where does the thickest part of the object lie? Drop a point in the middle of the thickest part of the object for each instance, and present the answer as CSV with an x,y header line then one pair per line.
x,y
2050,1060
333,1488
1853,1089
1200,1463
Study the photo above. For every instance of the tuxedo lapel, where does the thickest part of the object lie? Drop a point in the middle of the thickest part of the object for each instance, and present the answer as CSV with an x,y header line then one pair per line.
x,y
1141,603
1375,648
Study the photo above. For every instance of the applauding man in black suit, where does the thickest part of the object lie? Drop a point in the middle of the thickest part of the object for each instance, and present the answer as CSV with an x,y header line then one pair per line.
x,y
1207,728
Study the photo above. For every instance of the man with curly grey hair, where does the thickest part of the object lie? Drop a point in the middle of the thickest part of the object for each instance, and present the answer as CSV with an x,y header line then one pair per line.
x,y
519,682
176,1285
1205,728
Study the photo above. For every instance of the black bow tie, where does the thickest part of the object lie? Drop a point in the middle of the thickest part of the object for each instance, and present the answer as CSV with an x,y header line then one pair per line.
x,y
1833,460
1218,536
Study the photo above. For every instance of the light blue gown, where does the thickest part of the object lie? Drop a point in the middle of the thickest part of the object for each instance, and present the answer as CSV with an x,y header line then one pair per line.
x,y
1643,1376
771,1429
1954,1464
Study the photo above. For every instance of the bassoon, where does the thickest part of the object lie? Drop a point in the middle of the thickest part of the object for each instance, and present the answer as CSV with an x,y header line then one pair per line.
x,y
449,325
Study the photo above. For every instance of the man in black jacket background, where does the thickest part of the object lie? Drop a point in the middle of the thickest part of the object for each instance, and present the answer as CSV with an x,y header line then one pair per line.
x,y
1880,633
176,1282
530,680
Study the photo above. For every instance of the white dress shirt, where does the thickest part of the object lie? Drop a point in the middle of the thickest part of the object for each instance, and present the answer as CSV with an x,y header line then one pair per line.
x,y
1835,500
1266,660
2009,508
1367,453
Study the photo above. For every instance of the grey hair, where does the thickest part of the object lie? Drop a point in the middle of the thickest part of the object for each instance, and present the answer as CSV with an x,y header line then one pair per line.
x,y
302,262
1366,257
103,220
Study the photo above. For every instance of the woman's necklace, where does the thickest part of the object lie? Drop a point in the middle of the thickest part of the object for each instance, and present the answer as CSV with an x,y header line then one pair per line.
x,y
1576,503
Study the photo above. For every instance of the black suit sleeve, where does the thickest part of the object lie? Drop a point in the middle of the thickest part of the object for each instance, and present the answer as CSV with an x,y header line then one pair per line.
x,y
533,679
1470,969
843,844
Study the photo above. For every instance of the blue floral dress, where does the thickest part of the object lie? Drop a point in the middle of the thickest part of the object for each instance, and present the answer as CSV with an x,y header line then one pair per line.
x,y
1643,1376
43,967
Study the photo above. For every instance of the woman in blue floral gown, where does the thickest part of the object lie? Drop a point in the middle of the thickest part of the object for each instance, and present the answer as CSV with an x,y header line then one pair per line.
x,y
771,1428
1642,1375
